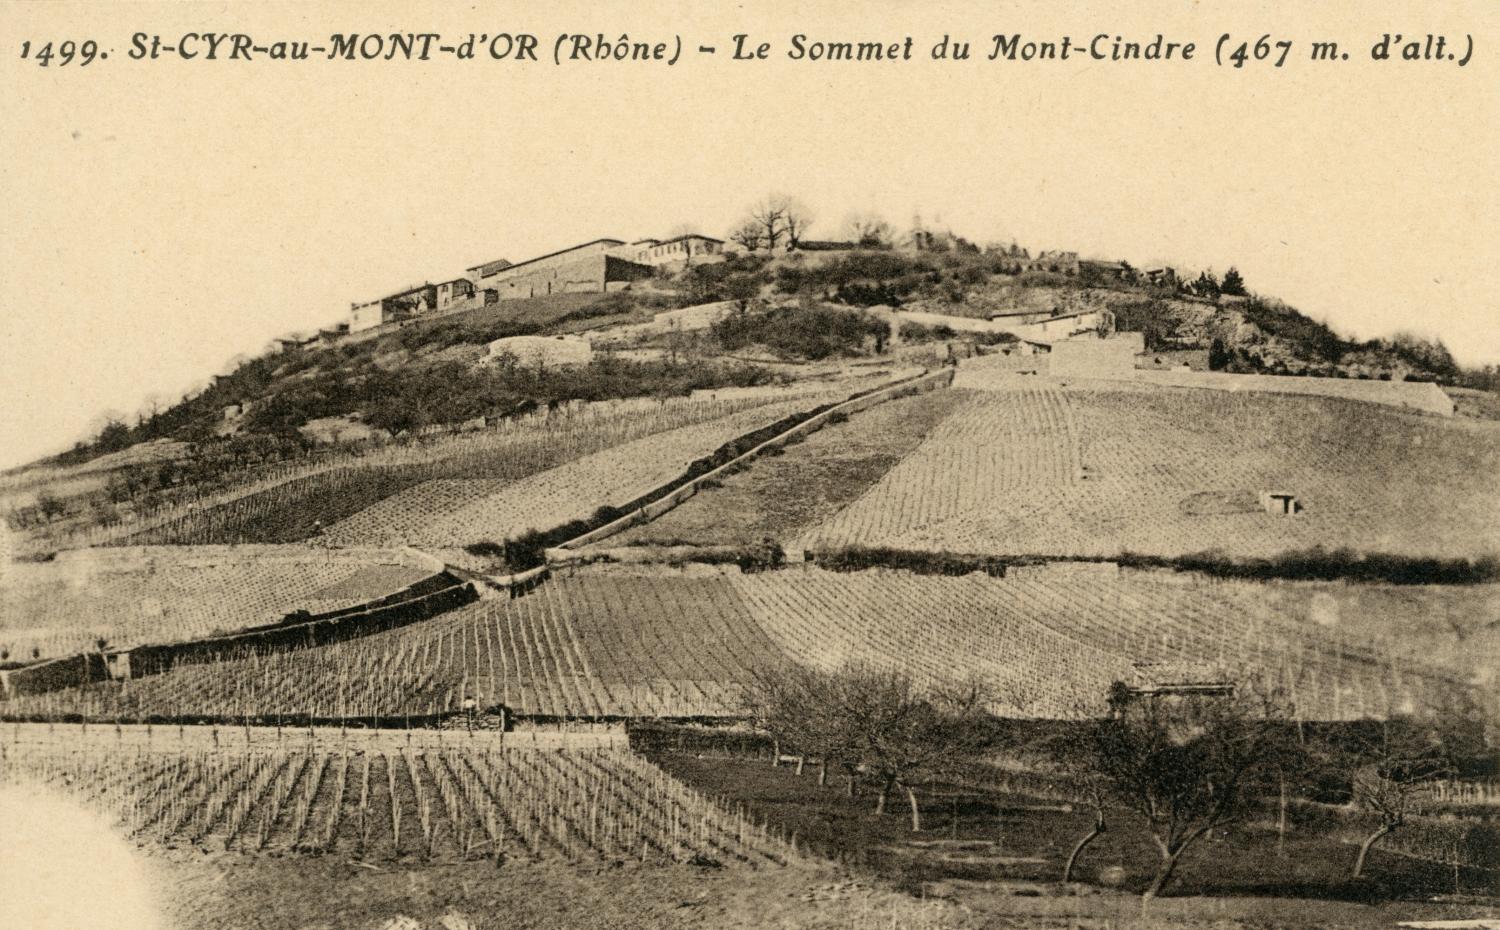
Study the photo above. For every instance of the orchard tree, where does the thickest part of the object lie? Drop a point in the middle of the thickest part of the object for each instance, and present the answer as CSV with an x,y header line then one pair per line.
x,y
875,723
1395,764
1073,748
1187,764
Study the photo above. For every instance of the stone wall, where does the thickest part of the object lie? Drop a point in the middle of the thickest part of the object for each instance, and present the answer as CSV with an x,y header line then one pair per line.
x,y
1409,395
589,274
677,491
1098,358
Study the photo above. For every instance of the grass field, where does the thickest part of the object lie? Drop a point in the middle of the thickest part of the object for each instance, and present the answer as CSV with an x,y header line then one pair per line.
x,y
1043,469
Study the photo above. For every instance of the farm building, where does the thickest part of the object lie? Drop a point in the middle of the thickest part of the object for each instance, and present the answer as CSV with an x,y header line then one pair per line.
x,y
1054,261
542,351
1016,317
1279,503
1105,270
398,306
331,335
683,249
483,276
593,267
1057,327
450,293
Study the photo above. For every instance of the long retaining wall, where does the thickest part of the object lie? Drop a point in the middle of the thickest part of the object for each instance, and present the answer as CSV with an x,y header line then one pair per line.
x,y
419,601
119,558
173,737
1412,395
675,492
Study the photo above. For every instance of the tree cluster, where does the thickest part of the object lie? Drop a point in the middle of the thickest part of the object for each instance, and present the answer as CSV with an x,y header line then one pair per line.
x,y
876,727
1184,765
774,221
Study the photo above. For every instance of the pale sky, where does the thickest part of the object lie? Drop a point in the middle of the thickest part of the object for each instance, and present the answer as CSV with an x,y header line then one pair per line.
x,y
162,217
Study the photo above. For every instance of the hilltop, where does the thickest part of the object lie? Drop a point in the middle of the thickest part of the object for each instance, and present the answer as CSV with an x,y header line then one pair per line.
x,y
667,321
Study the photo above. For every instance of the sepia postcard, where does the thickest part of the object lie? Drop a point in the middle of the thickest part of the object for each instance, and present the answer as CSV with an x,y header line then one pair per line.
x,y
811,465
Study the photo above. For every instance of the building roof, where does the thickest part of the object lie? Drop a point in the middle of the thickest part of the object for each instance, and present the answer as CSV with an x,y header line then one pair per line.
x,y
690,236
571,248
499,264
394,294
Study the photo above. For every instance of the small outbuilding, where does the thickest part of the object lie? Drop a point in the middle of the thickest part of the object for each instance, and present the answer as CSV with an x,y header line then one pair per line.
x,y
1280,503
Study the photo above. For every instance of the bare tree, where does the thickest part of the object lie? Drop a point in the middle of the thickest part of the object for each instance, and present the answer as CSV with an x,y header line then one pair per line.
x,y
1072,748
770,215
868,229
1398,762
780,219
876,723
1187,763
796,218
800,708
749,234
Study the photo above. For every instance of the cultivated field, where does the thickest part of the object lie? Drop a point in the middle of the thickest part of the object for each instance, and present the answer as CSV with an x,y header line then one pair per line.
x,y
1034,467
293,502
64,607
452,513
780,495
660,642
1049,640
389,802
587,645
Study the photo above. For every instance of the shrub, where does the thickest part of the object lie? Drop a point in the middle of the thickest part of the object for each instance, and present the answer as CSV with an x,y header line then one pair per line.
x,y
811,333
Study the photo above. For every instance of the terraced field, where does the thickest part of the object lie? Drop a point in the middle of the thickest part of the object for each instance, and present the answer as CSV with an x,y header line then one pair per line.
x,y
781,495
64,607
453,513
393,802
659,642
592,644
1036,468
300,502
